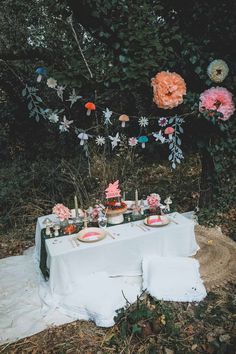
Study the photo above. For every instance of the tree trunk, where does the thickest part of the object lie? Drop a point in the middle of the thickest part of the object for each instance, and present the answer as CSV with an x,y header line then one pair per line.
x,y
208,178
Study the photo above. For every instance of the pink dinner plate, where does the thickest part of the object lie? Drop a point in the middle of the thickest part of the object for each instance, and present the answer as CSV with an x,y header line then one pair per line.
x,y
156,220
91,234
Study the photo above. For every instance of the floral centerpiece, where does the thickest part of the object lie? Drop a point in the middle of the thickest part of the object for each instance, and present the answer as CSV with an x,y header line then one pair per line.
x,y
114,206
153,201
62,212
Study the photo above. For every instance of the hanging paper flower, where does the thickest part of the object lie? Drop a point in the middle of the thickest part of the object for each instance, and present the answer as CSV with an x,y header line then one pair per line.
x,y
65,125
107,116
100,140
143,140
217,99
133,141
168,89
163,121
217,70
52,83
114,140
83,138
90,106
53,118
73,98
159,136
143,122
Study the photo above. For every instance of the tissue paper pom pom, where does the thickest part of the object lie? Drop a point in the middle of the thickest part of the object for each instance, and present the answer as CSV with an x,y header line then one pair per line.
x,y
168,89
217,99
217,70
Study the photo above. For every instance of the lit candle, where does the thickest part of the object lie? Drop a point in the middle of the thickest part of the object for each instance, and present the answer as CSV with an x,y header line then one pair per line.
x,y
76,207
136,197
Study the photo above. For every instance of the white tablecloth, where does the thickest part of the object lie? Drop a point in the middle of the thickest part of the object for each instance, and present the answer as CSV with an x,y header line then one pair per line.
x,y
120,256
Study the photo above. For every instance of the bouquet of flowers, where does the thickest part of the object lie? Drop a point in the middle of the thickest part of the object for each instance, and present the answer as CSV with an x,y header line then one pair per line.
x,y
153,200
61,211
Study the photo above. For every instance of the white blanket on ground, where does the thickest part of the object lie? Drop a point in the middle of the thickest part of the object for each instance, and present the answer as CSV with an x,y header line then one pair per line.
x,y
173,279
27,306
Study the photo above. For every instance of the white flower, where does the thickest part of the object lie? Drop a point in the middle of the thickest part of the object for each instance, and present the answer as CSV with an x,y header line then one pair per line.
x,y
60,90
159,136
217,70
143,122
114,140
52,83
107,115
100,140
53,118
65,125
73,97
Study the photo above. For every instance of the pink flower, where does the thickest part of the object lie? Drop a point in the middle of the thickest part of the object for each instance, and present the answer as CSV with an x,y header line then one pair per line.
x,y
153,200
162,121
61,211
169,130
133,141
217,99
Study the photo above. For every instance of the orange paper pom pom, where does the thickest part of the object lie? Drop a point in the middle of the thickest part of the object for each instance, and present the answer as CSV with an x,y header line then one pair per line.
x,y
168,89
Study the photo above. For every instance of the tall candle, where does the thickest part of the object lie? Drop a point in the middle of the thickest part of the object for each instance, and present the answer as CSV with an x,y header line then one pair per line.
x,y
136,197
76,207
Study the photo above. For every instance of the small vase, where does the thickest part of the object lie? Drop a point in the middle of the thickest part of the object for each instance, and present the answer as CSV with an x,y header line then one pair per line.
x,y
64,223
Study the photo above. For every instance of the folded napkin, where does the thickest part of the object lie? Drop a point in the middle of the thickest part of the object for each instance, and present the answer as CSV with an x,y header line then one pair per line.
x,y
173,279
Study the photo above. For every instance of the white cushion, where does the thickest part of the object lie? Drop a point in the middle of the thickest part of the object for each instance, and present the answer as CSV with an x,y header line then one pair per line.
x,y
173,279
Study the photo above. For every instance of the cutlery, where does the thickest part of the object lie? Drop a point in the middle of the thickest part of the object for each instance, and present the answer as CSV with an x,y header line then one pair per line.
x,y
109,234
141,227
173,221
72,242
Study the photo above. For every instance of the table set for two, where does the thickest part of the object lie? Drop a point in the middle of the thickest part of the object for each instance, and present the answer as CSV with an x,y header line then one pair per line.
x,y
65,260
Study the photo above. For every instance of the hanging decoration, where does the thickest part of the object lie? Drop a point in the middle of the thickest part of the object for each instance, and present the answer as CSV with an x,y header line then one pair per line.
x,y
143,122
41,73
83,138
168,90
107,116
143,139
114,140
123,119
90,106
65,125
217,99
133,141
100,140
218,70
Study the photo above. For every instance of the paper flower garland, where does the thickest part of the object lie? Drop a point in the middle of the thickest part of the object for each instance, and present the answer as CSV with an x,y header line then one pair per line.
x,y
83,138
133,141
65,125
217,70
107,116
114,140
53,118
217,99
163,121
143,122
168,89
90,106
100,140
52,83
73,98
159,136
